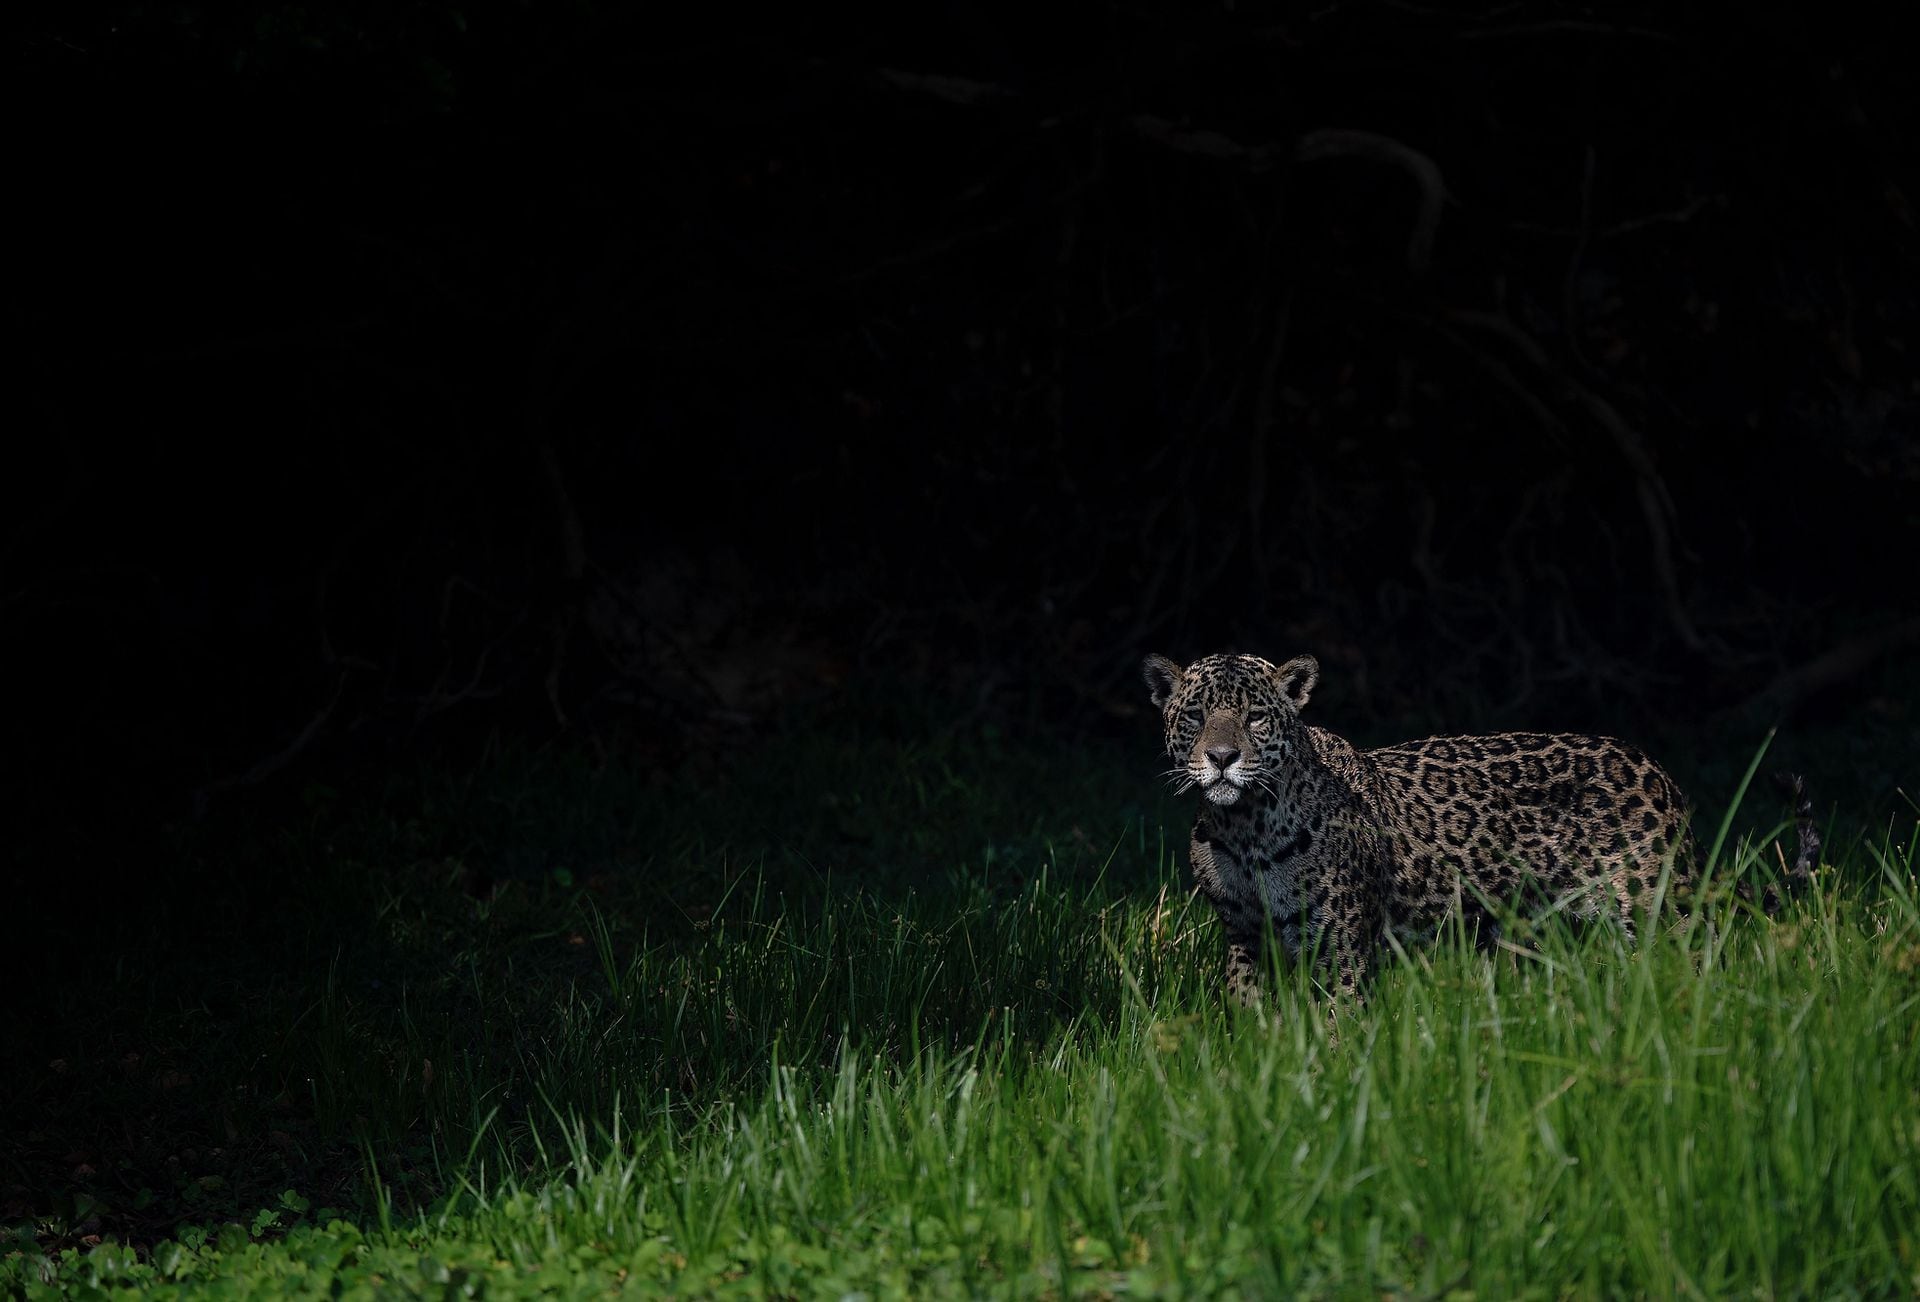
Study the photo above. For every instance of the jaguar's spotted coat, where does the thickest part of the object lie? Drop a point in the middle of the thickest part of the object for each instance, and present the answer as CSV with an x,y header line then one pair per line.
x,y
1305,837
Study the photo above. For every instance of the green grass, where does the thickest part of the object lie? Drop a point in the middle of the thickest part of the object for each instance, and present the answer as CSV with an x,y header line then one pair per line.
x,y
1017,1080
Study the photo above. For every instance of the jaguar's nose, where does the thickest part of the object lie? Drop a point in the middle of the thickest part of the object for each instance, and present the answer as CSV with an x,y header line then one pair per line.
x,y
1222,756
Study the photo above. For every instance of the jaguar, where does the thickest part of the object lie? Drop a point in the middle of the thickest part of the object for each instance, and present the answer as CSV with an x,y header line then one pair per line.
x,y
1304,837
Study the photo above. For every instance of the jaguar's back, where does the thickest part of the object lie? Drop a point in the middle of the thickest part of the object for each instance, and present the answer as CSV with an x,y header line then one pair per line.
x,y
1550,816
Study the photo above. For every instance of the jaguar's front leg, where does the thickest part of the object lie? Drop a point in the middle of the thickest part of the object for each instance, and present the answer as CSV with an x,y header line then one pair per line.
x,y
1243,941
1352,931
1243,970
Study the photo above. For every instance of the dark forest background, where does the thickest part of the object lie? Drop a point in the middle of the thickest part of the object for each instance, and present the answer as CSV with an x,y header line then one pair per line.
x,y
391,377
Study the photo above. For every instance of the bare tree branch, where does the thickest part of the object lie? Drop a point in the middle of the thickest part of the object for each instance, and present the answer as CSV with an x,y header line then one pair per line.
x,y
1206,144
1372,147
1656,504
1830,669
954,90
271,764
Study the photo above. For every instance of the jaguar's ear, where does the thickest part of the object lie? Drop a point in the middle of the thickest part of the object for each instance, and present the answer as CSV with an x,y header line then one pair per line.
x,y
1296,679
1163,679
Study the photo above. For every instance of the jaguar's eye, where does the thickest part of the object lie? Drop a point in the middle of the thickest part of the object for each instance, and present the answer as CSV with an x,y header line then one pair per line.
x,y
1195,717
1259,720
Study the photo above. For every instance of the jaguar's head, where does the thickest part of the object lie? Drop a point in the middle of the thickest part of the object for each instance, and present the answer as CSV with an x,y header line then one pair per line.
x,y
1231,721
